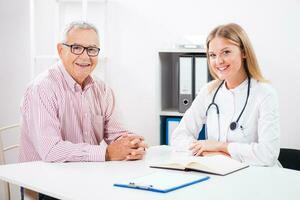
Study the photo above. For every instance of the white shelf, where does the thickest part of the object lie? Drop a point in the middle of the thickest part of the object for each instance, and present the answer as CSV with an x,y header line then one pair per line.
x,y
181,50
102,1
170,112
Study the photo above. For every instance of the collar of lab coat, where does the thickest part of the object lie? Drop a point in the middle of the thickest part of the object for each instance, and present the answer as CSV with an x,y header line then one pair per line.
x,y
239,88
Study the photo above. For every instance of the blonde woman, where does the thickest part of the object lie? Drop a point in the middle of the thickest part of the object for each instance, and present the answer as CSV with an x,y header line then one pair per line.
x,y
239,108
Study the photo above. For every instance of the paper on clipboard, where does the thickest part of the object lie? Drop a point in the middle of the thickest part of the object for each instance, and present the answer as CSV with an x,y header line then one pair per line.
x,y
164,181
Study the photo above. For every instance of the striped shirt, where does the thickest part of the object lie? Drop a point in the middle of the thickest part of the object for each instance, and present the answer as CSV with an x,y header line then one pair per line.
x,y
62,122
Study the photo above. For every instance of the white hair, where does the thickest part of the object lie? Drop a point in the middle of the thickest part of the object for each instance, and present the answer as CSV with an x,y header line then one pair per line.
x,y
78,25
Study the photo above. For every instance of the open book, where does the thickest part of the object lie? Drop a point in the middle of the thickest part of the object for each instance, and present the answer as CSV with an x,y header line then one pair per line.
x,y
217,164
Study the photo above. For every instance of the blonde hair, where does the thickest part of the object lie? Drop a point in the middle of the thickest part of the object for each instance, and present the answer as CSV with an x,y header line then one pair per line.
x,y
237,35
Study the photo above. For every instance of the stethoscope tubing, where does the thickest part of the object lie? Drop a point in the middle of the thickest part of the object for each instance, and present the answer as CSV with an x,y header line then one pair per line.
x,y
234,124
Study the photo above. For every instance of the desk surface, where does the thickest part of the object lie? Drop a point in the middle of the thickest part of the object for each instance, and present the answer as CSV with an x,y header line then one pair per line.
x,y
89,181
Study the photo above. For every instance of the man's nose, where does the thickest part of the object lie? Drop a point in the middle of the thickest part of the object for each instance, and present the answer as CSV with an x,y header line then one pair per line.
x,y
84,54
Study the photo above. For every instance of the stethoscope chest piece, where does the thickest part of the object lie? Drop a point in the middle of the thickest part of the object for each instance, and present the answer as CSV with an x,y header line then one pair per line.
x,y
233,125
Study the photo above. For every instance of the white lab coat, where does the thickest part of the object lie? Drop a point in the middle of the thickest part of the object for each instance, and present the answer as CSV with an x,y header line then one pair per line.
x,y
256,143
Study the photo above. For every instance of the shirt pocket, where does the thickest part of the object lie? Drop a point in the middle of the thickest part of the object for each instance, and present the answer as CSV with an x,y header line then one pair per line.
x,y
238,135
249,129
98,127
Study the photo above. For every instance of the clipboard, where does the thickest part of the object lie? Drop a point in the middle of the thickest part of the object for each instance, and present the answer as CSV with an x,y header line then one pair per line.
x,y
163,181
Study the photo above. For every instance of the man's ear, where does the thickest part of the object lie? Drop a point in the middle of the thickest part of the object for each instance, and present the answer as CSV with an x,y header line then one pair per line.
x,y
59,47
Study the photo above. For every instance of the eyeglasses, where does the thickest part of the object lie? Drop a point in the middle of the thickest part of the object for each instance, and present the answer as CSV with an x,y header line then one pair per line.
x,y
79,49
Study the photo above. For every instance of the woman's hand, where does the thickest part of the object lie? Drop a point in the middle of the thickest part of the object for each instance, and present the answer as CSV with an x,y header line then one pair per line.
x,y
201,146
213,153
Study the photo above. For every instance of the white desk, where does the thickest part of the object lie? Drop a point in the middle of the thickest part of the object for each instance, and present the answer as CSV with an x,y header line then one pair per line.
x,y
92,181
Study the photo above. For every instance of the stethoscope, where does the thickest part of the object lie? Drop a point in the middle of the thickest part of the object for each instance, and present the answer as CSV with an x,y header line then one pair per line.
x,y
233,125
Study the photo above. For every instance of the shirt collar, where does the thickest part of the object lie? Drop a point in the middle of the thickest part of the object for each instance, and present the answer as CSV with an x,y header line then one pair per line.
x,y
240,87
88,82
75,87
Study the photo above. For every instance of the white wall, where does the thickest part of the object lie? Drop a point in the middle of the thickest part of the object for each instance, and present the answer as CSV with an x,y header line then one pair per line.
x,y
14,56
14,67
138,29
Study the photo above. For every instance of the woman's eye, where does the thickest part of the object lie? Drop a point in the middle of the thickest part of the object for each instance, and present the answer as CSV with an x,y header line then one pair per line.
x,y
212,55
226,52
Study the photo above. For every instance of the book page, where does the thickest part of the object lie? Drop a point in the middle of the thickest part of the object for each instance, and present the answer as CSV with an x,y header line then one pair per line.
x,y
220,164
217,164
180,162
200,167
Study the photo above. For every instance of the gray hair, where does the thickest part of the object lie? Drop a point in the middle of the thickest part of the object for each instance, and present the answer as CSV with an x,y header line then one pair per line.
x,y
78,25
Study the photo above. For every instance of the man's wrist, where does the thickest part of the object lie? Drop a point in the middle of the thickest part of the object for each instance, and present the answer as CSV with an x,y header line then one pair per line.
x,y
107,157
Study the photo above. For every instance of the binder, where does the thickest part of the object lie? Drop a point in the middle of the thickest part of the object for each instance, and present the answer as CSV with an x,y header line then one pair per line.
x,y
202,134
171,125
163,182
185,82
201,74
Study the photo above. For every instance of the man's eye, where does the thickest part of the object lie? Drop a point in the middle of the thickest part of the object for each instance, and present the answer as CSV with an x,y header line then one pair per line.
x,y
212,55
92,50
77,48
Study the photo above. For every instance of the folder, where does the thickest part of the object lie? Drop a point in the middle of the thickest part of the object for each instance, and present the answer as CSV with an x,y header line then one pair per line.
x,y
185,82
163,182
202,134
171,125
201,73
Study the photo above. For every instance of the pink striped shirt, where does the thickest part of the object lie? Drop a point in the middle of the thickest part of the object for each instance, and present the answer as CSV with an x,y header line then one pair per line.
x,y
62,122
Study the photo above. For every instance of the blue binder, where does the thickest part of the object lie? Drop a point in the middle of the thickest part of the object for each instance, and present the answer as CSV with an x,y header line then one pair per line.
x,y
173,122
171,125
202,135
163,182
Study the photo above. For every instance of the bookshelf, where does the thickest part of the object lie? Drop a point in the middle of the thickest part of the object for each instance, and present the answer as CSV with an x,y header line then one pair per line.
x,y
169,86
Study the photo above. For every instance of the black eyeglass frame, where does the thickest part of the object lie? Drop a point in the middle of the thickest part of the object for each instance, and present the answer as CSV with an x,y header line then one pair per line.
x,y
84,49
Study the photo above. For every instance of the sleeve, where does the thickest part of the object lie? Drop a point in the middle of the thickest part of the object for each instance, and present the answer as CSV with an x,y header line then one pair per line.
x,y
266,151
190,124
112,127
41,114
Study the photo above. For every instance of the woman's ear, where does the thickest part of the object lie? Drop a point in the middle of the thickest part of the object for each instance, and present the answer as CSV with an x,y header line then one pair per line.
x,y
244,54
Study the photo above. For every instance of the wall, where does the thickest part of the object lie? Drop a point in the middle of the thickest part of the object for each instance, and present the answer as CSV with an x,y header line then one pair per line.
x,y
15,66
138,29
14,56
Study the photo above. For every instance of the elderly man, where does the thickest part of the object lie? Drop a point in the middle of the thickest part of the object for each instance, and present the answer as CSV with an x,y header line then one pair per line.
x,y
67,115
